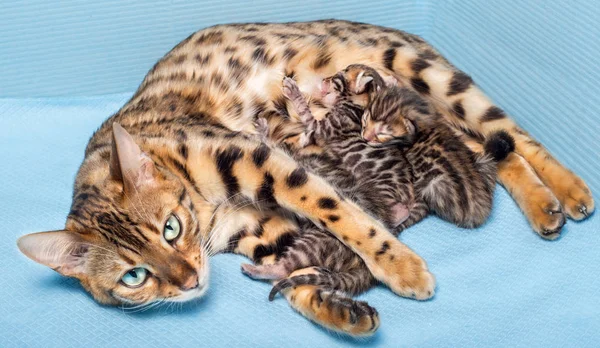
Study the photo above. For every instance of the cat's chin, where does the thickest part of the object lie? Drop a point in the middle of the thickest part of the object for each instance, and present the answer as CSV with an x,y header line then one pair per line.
x,y
190,294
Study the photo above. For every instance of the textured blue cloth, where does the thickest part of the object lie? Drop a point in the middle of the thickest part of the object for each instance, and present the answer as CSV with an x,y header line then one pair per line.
x,y
500,285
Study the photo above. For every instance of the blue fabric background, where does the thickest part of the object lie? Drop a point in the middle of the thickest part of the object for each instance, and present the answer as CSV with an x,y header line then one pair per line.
x,y
499,285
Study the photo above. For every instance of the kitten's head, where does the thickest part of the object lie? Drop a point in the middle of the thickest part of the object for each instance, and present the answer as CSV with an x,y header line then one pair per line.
x,y
356,79
132,235
394,116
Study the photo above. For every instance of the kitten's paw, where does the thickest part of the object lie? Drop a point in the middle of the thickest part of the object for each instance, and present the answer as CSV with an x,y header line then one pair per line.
x,y
290,89
262,128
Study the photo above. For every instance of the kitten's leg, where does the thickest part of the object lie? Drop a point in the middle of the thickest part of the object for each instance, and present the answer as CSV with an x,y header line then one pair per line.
x,y
271,271
293,94
327,308
352,282
300,105
469,107
332,309
268,175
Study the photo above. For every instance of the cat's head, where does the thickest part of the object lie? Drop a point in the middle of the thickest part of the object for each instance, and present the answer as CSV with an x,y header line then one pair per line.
x,y
394,116
132,235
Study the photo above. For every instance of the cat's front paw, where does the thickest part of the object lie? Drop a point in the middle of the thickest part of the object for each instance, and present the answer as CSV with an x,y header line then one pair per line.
x,y
402,270
416,281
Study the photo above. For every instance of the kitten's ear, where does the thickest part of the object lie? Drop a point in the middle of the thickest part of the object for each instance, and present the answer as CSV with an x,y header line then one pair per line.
x,y
362,81
63,251
127,161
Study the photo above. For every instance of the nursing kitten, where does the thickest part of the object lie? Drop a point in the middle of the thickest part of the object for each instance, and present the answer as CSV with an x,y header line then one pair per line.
x,y
422,168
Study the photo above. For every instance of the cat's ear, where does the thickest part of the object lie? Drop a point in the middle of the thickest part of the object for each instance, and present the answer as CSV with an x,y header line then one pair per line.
x,y
63,251
127,161
362,81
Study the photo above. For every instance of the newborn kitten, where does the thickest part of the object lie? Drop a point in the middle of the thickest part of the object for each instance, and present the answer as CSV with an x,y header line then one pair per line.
x,y
417,166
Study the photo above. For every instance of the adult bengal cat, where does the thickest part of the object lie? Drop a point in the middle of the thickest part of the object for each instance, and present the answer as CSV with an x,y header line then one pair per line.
x,y
182,167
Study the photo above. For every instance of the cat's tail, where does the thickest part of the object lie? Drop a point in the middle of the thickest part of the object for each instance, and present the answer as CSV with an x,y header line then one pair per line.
x,y
498,145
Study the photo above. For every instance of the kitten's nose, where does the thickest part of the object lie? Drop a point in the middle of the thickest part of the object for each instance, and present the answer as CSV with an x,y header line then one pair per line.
x,y
191,283
369,136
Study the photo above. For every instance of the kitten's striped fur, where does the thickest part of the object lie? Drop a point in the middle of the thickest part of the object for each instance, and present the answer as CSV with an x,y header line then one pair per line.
x,y
400,184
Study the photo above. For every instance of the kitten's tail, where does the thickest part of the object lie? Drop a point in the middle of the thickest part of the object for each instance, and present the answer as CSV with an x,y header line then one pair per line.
x,y
499,144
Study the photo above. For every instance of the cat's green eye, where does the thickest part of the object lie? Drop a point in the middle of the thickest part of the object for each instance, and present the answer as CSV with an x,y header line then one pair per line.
x,y
172,229
135,277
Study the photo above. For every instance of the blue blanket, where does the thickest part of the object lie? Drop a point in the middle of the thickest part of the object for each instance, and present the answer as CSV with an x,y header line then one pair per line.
x,y
499,285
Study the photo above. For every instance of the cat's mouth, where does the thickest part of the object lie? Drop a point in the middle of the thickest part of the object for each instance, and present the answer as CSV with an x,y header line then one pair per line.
x,y
197,292
190,295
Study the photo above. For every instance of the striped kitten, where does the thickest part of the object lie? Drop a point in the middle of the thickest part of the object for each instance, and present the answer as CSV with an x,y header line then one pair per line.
x,y
422,168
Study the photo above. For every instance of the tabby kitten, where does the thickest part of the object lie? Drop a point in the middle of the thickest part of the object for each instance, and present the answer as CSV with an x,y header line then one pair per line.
x,y
414,161
426,169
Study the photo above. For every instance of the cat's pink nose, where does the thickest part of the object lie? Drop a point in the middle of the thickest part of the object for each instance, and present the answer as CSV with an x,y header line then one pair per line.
x,y
191,283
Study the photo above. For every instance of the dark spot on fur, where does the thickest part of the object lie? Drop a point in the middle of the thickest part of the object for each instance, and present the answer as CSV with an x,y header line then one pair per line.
x,y
225,161
460,82
181,135
492,114
289,53
428,54
323,58
372,233
298,177
215,37
419,65
384,247
266,192
260,155
458,109
183,151
333,218
281,106
327,203
420,85
202,59
388,58
303,198
260,55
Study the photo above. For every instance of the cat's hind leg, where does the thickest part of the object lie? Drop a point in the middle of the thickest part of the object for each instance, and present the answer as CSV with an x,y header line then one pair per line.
x,y
352,282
